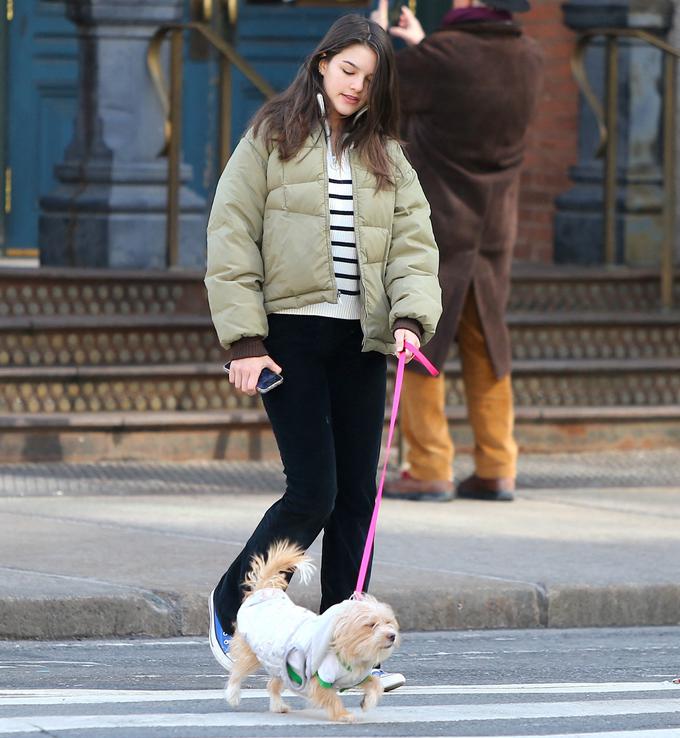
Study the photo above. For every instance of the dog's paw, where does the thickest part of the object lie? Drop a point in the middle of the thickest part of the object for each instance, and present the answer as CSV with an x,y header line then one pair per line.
x,y
233,694
372,692
279,706
347,717
369,701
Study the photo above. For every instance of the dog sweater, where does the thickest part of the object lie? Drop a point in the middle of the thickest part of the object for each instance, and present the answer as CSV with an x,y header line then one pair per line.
x,y
293,643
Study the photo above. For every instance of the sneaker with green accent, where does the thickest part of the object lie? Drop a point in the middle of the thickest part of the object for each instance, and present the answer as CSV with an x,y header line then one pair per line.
x,y
389,679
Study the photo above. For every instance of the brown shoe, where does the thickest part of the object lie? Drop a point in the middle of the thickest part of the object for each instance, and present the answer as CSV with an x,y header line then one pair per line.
x,y
493,490
406,487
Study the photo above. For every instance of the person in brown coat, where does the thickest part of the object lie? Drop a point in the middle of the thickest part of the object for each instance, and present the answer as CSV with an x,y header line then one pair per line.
x,y
468,94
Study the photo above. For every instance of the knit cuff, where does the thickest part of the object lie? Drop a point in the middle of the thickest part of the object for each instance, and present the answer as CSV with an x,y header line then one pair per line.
x,y
410,324
245,348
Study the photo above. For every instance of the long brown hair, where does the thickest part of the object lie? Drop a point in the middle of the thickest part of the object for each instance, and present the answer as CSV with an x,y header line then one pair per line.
x,y
289,117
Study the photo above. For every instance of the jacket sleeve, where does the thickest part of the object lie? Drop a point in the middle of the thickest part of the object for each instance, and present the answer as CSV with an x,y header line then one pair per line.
x,y
411,280
235,270
416,69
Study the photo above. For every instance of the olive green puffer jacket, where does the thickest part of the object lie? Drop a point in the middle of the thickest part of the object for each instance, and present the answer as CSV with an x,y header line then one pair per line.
x,y
269,244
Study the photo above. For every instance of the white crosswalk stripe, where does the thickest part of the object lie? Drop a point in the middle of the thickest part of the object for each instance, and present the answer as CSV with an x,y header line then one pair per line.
x,y
104,696
32,711
383,715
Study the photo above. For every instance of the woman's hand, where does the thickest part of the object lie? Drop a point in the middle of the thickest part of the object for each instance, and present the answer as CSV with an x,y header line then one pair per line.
x,y
408,28
244,373
400,336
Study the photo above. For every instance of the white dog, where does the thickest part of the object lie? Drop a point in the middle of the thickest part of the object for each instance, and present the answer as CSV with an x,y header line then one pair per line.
x,y
313,655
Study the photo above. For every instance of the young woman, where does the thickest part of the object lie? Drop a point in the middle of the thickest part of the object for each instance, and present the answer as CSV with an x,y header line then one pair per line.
x,y
321,260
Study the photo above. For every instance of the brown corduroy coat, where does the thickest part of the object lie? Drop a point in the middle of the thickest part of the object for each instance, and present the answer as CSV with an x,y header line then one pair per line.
x,y
468,93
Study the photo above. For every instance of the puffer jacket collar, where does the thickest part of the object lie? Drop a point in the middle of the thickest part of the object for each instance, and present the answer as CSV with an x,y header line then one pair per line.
x,y
324,118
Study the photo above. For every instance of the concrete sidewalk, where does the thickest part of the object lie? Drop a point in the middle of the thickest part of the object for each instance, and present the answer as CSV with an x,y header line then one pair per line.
x,y
118,550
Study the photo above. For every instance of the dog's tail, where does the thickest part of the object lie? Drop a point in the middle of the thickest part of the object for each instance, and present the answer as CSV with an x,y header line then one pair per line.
x,y
283,558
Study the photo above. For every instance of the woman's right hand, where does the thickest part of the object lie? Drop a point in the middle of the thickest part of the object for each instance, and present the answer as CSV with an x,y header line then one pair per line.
x,y
244,373
408,28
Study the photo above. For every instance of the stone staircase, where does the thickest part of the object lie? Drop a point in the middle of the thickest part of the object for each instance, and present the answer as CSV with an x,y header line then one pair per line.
x,y
100,364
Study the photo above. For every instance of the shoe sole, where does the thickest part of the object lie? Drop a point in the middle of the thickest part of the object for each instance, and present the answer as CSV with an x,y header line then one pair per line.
x,y
393,681
484,496
420,496
226,662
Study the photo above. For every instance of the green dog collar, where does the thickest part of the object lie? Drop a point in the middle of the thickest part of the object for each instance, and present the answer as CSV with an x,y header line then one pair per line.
x,y
293,675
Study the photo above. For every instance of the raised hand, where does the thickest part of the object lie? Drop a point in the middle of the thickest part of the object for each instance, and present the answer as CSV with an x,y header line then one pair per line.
x,y
408,29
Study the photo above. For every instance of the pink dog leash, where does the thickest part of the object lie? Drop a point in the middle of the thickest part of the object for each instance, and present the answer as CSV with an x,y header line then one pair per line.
x,y
401,363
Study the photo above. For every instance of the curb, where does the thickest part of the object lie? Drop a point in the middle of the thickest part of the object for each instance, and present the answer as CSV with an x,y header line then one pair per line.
x,y
165,614
97,616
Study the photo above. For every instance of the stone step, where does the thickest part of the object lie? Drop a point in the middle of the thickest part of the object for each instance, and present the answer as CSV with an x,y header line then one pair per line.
x,y
107,292
585,383
591,335
557,288
100,292
192,387
138,340
256,418
244,434
100,364
108,341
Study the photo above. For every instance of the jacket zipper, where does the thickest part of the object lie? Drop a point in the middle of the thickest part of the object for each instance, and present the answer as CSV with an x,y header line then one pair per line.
x,y
328,216
364,312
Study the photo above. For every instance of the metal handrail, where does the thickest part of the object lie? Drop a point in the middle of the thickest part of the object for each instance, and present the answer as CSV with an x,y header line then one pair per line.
x,y
606,122
171,101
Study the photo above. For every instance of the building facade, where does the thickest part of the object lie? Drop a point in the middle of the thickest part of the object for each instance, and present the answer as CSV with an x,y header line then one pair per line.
x,y
83,127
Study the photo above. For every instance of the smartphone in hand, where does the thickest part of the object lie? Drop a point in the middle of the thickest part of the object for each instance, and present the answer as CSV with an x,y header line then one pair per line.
x,y
267,380
394,12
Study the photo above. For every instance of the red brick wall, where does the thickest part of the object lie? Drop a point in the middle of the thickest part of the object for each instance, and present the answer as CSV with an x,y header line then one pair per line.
x,y
552,142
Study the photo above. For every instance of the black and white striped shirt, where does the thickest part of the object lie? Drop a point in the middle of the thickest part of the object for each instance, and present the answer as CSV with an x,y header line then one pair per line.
x,y
343,245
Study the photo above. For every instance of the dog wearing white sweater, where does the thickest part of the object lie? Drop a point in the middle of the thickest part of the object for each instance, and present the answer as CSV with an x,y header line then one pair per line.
x,y
313,655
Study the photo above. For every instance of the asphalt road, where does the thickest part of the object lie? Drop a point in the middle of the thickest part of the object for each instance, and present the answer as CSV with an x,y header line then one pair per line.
x,y
603,683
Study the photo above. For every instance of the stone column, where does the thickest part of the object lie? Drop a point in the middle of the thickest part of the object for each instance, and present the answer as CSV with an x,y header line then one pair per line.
x,y
109,207
578,221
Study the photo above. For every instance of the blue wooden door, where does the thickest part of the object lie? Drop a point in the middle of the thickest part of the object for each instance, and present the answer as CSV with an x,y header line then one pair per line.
x,y
41,95
41,102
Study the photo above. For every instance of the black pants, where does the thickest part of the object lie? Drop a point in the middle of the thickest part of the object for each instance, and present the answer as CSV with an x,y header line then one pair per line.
x,y
327,418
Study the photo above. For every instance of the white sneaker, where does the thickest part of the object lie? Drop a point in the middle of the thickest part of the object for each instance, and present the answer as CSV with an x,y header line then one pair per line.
x,y
389,679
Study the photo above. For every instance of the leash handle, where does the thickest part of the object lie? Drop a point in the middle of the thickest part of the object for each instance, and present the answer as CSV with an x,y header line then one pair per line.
x,y
370,537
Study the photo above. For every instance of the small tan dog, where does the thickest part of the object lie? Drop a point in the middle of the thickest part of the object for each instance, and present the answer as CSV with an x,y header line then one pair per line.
x,y
313,655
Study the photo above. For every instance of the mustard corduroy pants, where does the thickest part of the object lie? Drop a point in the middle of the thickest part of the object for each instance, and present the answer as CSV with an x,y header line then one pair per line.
x,y
430,450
